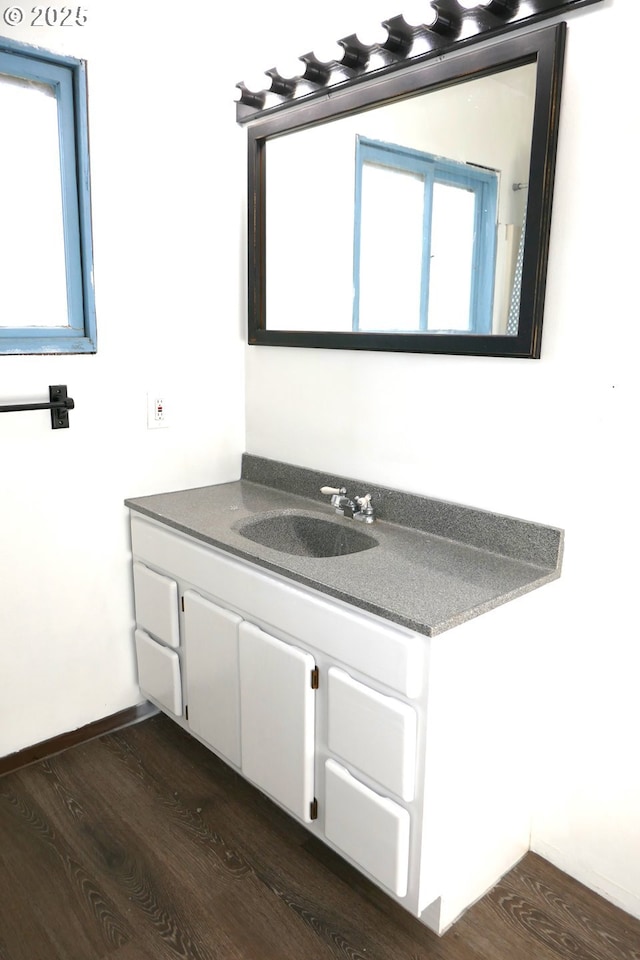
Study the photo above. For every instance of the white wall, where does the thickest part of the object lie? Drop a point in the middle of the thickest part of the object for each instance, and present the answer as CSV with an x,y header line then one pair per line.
x,y
553,440
168,235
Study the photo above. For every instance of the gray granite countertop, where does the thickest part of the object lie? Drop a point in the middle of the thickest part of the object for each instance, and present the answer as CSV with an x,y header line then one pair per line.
x,y
445,564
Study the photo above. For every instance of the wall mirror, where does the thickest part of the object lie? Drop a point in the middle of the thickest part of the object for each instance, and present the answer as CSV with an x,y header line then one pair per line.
x,y
411,212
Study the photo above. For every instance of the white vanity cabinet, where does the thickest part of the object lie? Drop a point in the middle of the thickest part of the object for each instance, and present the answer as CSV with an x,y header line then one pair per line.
x,y
387,745
239,683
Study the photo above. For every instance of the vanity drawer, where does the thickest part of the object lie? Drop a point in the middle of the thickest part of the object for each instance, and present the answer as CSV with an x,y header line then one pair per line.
x,y
373,732
159,672
372,830
156,599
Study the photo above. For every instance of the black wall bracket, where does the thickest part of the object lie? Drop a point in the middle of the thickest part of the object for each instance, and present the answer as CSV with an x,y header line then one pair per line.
x,y
59,404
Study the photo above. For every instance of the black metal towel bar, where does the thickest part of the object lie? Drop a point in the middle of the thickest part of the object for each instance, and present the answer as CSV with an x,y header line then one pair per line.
x,y
59,404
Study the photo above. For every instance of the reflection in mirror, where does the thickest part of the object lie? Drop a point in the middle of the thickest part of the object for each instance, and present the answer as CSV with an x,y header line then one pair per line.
x,y
400,223
419,212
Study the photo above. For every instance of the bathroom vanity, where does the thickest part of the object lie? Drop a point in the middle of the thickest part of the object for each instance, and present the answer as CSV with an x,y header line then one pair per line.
x,y
362,691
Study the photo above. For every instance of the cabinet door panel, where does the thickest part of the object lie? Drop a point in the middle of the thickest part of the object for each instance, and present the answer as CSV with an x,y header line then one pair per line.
x,y
371,829
156,604
375,733
213,695
159,672
277,708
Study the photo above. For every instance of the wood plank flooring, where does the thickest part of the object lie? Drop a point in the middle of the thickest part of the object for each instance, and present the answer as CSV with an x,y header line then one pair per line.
x,y
141,845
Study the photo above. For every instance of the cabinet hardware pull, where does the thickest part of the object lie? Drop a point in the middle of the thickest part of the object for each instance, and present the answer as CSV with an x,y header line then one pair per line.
x,y
313,809
315,678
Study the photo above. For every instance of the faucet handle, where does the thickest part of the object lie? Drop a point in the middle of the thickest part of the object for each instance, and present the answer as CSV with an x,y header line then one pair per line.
x,y
335,491
365,502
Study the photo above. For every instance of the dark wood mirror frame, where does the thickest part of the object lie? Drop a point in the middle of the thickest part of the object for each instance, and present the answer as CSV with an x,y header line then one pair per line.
x,y
545,47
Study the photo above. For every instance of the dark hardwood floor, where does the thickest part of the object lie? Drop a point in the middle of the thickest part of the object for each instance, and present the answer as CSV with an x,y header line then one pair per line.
x,y
141,845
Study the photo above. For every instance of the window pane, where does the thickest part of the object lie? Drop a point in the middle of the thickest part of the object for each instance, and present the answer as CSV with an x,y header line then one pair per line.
x,y
451,258
32,254
390,249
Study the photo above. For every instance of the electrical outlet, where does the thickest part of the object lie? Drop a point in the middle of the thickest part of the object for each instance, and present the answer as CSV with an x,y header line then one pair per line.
x,y
156,410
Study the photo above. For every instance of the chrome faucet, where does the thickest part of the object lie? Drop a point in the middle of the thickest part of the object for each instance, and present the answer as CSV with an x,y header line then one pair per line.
x,y
355,508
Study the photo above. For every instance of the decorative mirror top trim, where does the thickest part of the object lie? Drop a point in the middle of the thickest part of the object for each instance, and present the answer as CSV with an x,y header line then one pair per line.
x,y
451,25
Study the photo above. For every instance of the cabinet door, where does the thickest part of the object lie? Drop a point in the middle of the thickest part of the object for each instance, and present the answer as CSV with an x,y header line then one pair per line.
x,y
375,733
371,829
159,672
213,695
277,710
156,604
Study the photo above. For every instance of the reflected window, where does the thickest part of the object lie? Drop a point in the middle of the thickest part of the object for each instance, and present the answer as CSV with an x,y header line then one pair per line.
x,y
425,242
46,303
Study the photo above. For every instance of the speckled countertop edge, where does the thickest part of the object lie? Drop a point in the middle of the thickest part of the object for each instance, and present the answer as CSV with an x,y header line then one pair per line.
x,y
421,580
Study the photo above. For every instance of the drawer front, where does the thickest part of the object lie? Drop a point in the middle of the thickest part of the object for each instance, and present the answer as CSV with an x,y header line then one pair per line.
x,y
390,654
156,600
213,691
373,732
372,830
159,672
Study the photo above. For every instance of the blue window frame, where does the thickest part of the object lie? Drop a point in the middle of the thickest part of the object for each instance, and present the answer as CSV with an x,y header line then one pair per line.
x,y
428,172
63,78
